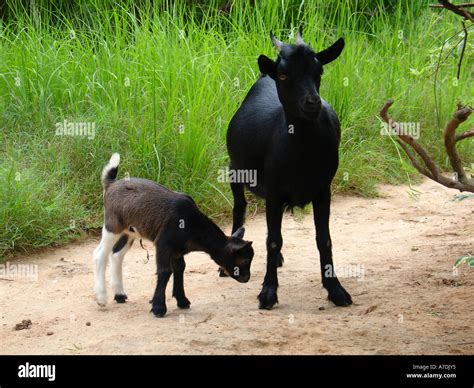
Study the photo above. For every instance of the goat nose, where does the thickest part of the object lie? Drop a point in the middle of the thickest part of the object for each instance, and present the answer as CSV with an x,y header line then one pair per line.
x,y
311,103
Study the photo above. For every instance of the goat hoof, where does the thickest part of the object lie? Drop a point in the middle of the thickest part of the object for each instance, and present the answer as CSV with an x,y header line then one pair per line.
x,y
120,298
184,303
339,296
101,298
267,298
222,274
159,311
280,260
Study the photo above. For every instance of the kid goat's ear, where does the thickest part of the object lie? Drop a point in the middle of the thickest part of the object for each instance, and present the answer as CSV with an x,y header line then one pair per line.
x,y
235,246
239,233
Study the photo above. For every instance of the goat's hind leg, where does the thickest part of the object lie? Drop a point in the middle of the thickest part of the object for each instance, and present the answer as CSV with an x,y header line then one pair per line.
x,y
101,257
240,205
118,253
238,212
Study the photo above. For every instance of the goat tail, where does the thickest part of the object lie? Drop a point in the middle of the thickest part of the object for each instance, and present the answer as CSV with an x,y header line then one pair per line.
x,y
109,173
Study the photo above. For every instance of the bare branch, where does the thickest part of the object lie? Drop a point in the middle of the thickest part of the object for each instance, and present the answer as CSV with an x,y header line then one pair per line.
x,y
462,5
465,134
413,160
459,116
462,183
457,9
409,140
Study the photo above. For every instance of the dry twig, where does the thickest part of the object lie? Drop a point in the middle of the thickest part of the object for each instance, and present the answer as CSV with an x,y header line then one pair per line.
x,y
461,181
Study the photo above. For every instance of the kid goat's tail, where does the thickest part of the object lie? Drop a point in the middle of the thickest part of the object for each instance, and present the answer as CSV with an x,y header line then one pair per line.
x,y
109,173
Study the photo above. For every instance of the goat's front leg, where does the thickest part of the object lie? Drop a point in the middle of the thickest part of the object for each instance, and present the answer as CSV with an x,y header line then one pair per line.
x,y
274,213
321,209
178,282
163,261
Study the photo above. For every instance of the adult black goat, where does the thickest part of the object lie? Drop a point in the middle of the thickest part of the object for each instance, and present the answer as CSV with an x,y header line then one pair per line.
x,y
287,133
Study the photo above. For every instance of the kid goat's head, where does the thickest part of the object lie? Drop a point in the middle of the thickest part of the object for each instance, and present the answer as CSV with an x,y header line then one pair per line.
x,y
237,257
297,73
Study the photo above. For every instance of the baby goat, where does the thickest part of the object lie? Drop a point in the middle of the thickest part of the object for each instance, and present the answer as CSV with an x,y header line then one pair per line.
x,y
137,208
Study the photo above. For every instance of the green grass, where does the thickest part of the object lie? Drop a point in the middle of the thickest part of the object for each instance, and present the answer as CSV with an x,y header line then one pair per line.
x,y
162,87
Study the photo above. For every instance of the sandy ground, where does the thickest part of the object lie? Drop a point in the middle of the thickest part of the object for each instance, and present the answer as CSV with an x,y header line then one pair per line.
x,y
395,252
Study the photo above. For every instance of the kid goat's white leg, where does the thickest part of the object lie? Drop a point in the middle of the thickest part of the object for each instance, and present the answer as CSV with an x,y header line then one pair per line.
x,y
116,270
101,257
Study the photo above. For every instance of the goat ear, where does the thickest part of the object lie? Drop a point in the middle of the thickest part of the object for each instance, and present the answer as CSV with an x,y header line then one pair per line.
x,y
239,233
236,246
331,53
267,66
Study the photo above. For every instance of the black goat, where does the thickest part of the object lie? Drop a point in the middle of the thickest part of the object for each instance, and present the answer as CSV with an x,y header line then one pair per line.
x,y
137,208
287,133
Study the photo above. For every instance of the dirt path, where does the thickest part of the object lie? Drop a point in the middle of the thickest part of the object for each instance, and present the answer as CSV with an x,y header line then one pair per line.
x,y
407,299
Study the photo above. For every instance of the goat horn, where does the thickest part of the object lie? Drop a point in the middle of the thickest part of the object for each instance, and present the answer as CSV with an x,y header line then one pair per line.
x,y
299,36
278,45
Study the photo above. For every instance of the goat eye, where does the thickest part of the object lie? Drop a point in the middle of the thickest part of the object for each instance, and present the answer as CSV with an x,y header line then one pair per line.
x,y
283,77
